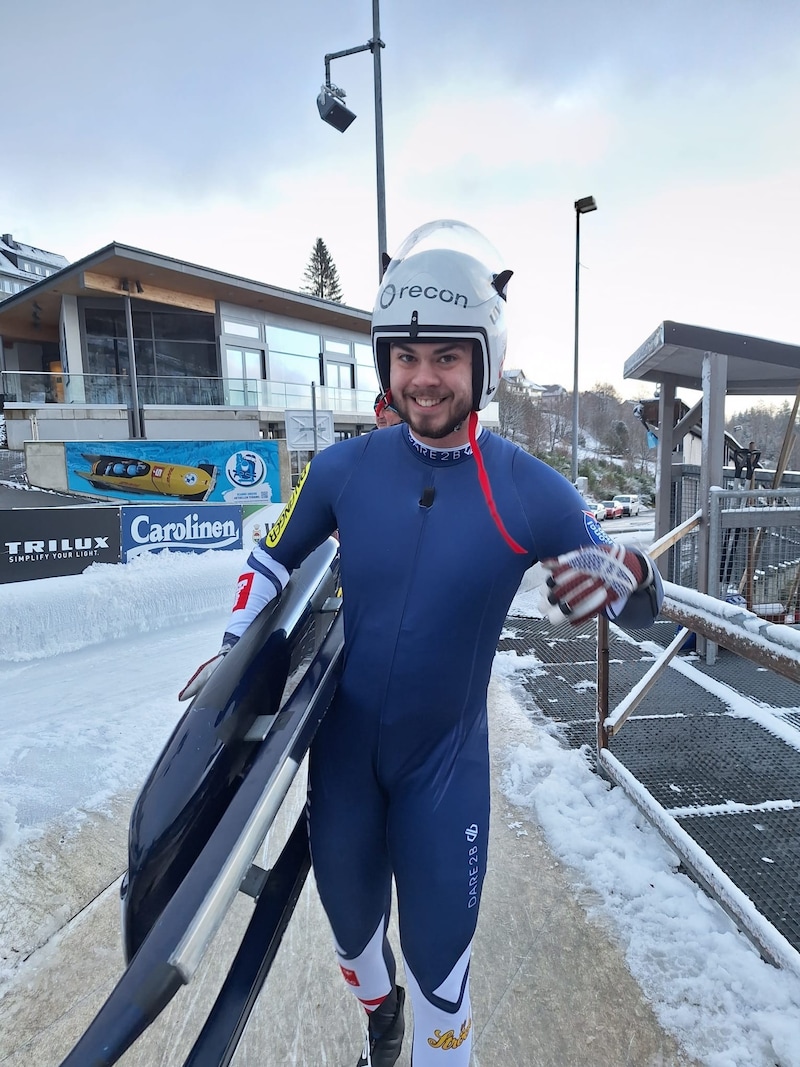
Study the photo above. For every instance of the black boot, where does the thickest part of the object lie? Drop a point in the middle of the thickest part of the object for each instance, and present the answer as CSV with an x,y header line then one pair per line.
x,y
382,1046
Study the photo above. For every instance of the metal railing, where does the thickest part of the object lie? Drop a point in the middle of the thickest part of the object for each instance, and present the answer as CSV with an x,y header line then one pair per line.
x,y
774,646
41,388
754,549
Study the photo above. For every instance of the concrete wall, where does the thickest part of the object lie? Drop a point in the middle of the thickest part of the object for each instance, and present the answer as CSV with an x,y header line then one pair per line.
x,y
70,339
45,465
65,422
71,422
201,424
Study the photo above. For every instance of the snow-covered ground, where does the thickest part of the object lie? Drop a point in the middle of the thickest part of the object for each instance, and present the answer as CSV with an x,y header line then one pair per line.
x,y
89,669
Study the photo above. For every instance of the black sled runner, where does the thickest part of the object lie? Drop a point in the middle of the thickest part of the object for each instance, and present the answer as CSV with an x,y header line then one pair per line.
x,y
203,813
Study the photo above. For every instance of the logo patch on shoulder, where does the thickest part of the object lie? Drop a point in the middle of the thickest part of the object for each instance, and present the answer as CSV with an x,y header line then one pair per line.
x,y
595,530
243,587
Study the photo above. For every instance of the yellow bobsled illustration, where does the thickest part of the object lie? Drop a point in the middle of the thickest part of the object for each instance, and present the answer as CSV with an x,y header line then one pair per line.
x,y
146,476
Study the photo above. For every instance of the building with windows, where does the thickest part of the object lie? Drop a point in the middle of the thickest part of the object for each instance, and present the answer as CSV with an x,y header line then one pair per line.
x,y
522,386
21,265
127,343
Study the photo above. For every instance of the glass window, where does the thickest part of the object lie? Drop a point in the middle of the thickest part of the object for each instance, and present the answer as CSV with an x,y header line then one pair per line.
x,y
244,373
293,341
363,354
191,353
183,326
107,355
287,368
339,375
243,362
145,357
186,359
368,379
340,347
142,324
240,329
105,323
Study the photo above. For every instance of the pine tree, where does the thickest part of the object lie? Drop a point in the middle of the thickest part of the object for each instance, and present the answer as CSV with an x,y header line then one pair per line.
x,y
321,275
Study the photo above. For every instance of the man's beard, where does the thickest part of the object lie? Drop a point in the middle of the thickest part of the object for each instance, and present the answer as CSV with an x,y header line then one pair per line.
x,y
461,412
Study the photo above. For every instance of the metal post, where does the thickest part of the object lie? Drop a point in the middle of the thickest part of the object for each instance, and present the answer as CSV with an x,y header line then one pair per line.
x,y
582,206
602,681
715,383
136,418
314,414
666,443
575,363
716,587
377,45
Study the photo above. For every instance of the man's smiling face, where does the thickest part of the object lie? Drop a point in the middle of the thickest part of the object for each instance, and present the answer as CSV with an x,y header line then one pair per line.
x,y
431,386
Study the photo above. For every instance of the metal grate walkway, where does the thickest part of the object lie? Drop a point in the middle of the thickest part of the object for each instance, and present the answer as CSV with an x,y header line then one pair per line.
x,y
718,747
12,466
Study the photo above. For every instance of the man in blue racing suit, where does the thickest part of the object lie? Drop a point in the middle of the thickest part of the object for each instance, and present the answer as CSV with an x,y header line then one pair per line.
x,y
438,520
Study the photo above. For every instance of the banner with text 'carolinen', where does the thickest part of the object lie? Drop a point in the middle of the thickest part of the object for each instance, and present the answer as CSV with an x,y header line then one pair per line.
x,y
179,528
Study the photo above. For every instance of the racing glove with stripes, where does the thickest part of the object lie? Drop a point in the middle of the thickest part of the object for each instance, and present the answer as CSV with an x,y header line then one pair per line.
x,y
592,579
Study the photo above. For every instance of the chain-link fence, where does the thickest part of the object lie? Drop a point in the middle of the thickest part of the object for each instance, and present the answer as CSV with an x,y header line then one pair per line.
x,y
685,501
754,549
12,466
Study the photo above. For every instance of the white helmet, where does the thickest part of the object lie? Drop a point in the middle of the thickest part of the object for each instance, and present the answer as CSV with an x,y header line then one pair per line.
x,y
445,282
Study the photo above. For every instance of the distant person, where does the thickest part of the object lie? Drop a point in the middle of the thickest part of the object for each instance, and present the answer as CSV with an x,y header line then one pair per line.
x,y
438,522
385,412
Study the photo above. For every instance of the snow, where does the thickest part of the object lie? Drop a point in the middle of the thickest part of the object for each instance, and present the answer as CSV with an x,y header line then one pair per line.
x,y
734,619
707,984
89,667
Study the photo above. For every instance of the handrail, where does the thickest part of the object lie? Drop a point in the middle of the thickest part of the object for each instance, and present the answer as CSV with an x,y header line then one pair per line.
x,y
45,388
673,536
770,645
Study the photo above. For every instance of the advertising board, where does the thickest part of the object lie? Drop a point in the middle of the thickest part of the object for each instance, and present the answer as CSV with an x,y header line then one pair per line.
x,y
191,472
256,522
48,542
179,528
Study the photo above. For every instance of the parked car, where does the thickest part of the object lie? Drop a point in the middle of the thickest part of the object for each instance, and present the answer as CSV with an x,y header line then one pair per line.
x,y
594,507
613,509
630,503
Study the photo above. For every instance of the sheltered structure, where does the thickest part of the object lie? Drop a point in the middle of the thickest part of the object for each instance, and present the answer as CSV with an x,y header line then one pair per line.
x,y
717,364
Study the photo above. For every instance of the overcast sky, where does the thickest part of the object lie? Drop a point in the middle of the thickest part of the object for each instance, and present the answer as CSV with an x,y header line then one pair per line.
x,y
191,129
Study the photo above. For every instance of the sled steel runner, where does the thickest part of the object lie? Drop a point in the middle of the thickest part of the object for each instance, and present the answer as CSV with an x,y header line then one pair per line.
x,y
167,947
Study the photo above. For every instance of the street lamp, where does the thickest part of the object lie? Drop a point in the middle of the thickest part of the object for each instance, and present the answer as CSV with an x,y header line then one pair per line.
x,y
582,207
332,110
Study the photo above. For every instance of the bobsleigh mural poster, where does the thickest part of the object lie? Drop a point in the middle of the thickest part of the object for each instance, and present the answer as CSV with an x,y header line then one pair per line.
x,y
228,472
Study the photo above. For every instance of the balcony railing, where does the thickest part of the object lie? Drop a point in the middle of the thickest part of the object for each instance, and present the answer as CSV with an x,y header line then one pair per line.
x,y
40,388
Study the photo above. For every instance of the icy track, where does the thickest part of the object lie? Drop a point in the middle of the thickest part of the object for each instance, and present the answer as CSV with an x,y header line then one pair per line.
x,y
89,669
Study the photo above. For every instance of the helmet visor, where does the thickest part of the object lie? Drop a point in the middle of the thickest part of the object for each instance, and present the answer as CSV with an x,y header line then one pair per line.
x,y
449,235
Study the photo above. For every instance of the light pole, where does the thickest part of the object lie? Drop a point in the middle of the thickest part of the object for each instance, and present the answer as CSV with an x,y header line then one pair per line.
x,y
332,110
582,207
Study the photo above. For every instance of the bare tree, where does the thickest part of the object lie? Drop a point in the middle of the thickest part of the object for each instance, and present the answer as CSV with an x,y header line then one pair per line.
x,y
321,275
511,405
